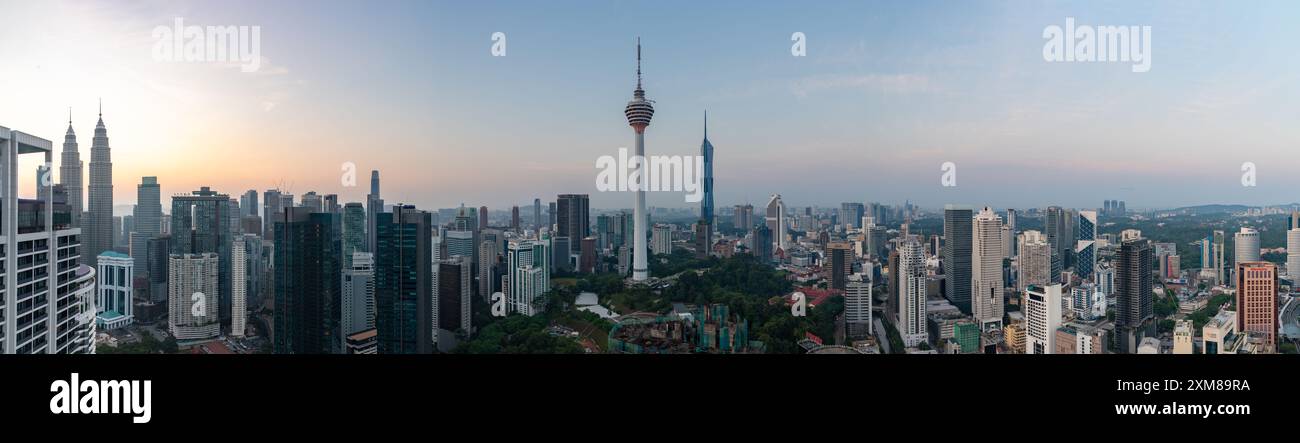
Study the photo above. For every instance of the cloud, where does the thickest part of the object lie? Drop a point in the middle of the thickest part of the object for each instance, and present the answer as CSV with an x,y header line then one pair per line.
x,y
870,83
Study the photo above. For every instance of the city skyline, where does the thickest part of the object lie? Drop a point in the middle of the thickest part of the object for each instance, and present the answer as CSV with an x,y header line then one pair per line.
x,y
886,94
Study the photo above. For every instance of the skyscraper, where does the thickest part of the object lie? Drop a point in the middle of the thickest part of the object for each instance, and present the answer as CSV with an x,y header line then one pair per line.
x,y
200,223
453,315
1042,317
1247,247
1085,250
743,217
238,288
1219,263
537,213
776,223
704,228
1257,312
354,234
639,111
1133,291
192,307
840,258
986,271
248,203
374,206
957,255
271,207
706,152
307,280
528,275
912,281
514,218
851,214
99,229
1034,261
70,174
148,221
572,219
38,243
404,309
857,307
357,294
1293,254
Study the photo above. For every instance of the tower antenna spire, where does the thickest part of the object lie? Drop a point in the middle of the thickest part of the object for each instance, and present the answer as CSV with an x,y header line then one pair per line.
x,y
638,62
101,107
706,124
69,116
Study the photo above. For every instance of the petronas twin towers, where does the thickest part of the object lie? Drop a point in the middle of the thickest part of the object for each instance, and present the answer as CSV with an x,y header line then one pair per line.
x,y
97,223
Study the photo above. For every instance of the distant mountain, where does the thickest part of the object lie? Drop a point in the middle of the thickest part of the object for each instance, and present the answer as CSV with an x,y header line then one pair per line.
x,y
1221,209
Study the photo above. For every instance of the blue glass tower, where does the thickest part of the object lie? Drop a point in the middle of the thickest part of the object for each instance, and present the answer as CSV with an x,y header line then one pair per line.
x,y
706,151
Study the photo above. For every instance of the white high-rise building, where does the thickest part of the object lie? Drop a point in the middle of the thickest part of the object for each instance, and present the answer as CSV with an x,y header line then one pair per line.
x,y
638,112
857,306
54,287
661,240
238,289
1042,317
1293,254
1034,264
113,300
357,295
1247,246
527,274
986,272
193,302
911,294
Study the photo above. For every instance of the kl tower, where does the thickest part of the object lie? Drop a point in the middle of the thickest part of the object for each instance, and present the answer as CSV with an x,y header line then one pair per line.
x,y
638,112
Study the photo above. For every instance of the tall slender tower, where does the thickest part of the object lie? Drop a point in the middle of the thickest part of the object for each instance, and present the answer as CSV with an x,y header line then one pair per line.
x,y
100,224
638,113
70,173
706,151
374,206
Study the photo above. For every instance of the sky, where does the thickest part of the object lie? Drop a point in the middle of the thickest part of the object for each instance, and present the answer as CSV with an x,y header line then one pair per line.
x,y
887,93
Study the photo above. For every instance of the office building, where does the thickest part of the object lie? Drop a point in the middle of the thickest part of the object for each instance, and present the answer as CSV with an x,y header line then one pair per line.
x,y
1257,304
839,263
404,306
857,307
453,313
201,224
307,279
98,228
986,270
957,254
1133,313
115,289
357,295
1042,318
528,275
